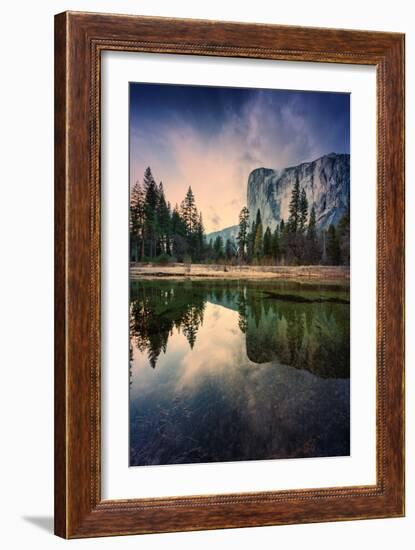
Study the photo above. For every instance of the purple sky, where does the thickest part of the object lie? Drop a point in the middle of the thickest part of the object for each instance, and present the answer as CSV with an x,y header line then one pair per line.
x,y
212,138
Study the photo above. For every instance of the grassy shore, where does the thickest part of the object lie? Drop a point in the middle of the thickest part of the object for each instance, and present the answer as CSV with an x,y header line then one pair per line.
x,y
212,271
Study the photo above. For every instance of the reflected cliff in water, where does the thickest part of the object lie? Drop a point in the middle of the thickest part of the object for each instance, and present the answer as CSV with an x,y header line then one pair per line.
x,y
232,370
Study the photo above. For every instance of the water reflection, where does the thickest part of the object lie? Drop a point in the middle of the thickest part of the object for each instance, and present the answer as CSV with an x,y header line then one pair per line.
x,y
235,370
155,309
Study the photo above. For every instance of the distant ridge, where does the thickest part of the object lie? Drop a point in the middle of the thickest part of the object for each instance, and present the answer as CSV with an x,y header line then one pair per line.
x,y
227,233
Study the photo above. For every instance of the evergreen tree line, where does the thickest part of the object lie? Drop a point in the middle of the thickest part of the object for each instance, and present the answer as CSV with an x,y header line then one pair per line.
x,y
157,231
296,242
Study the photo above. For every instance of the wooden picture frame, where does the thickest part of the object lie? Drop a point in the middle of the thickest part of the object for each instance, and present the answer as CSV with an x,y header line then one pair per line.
x,y
79,40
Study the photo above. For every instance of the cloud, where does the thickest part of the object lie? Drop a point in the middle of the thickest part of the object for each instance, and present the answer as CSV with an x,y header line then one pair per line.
x,y
265,131
216,221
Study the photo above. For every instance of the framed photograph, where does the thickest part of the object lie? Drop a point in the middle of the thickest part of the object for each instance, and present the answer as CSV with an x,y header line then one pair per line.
x,y
229,275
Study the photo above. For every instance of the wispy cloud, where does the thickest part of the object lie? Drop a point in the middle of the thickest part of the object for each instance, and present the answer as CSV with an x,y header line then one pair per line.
x,y
263,131
215,221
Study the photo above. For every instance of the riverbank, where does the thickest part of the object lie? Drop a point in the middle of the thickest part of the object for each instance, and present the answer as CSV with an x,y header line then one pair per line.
x,y
215,271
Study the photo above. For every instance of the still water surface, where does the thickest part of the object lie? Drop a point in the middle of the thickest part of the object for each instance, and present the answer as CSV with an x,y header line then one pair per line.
x,y
236,370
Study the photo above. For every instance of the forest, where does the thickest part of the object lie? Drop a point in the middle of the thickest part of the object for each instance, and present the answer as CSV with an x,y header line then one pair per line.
x,y
162,234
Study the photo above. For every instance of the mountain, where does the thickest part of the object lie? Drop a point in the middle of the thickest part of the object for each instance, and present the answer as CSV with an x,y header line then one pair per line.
x,y
227,233
326,182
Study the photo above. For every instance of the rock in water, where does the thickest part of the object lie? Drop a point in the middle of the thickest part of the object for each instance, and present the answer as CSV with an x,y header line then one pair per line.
x,y
326,182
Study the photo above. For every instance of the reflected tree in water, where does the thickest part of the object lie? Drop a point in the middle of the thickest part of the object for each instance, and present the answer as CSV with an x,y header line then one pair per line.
x,y
305,334
190,323
156,309
242,311
295,337
275,386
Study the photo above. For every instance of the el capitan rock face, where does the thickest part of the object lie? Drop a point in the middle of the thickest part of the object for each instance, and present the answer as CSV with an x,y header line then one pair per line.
x,y
326,182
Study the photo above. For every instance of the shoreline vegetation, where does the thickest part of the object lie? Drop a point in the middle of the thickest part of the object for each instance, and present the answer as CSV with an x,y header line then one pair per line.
x,y
160,234
317,273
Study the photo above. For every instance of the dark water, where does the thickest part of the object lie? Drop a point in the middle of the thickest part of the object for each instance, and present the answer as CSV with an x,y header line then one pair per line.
x,y
232,370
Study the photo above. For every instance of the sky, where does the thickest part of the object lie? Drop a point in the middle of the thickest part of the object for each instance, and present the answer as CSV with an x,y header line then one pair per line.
x,y
211,138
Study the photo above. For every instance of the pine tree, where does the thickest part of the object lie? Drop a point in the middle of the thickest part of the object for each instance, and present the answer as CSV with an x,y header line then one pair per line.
x,y
333,246
190,216
242,238
169,236
293,226
250,242
303,212
312,251
200,238
188,212
136,221
209,250
276,250
298,240
344,236
150,213
218,247
229,249
178,234
293,220
258,239
148,179
267,243
163,220
258,217
283,239
312,225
